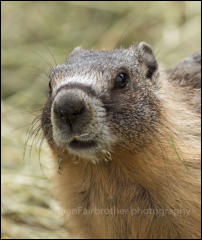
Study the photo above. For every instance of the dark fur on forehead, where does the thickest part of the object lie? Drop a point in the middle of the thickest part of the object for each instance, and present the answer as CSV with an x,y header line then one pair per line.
x,y
92,61
134,57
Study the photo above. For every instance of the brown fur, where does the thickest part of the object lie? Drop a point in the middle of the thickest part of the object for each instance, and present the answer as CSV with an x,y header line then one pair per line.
x,y
153,178
187,74
156,176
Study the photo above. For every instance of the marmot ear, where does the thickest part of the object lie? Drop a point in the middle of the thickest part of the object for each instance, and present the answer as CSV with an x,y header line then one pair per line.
x,y
75,51
147,58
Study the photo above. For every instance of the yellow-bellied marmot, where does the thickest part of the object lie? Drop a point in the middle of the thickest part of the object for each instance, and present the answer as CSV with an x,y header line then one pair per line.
x,y
128,136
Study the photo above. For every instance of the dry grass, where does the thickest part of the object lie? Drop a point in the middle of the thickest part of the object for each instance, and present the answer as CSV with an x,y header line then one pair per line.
x,y
36,35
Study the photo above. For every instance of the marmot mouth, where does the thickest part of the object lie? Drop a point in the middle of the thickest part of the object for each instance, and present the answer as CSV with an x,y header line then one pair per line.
x,y
77,144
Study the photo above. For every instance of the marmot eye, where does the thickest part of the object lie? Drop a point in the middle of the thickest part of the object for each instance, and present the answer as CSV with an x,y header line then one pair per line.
x,y
121,80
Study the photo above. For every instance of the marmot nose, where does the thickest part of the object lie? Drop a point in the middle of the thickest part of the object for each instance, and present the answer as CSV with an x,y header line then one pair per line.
x,y
70,109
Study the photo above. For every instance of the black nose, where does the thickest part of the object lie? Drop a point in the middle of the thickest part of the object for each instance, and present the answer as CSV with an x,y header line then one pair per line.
x,y
70,109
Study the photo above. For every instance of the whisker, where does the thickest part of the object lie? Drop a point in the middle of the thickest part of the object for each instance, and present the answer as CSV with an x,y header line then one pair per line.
x,y
29,134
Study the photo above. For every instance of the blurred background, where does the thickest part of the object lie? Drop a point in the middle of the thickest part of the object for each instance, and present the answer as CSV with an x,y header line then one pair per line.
x,y
38,35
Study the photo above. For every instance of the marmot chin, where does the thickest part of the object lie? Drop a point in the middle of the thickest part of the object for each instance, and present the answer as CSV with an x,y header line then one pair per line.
x,y
127,134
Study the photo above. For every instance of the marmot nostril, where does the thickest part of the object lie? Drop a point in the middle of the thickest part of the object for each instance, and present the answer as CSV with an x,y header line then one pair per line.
x,y
69,108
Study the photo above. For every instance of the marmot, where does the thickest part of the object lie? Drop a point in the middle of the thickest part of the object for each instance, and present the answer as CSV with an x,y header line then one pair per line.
x,y
126,134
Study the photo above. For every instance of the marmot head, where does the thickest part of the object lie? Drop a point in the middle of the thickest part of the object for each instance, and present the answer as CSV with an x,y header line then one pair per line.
x,y
102,99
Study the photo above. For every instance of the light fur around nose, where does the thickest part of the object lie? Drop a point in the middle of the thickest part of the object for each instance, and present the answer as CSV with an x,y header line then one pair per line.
x,y
96,130
87,80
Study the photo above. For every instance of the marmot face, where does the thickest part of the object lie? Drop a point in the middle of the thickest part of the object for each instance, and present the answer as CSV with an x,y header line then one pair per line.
x,y
99,99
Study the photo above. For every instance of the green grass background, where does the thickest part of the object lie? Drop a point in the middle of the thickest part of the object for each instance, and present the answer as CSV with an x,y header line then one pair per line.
x,y
36,36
